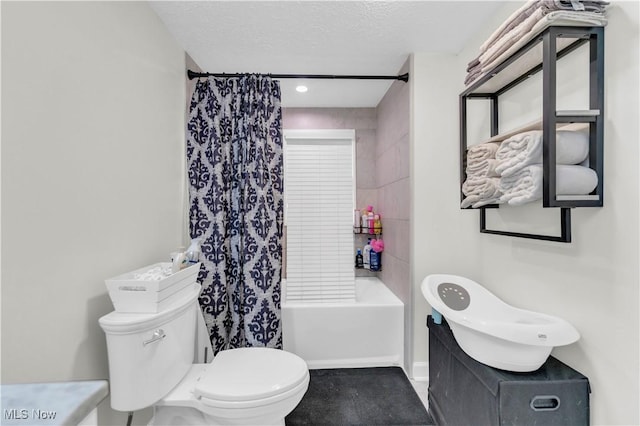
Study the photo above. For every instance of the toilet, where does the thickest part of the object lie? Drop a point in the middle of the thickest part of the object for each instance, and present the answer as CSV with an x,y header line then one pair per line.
x,y
151,364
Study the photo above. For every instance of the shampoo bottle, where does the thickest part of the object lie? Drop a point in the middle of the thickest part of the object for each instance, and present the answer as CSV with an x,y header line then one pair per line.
x,y
179,260
193,252
364,223
359,260
377,225
375,260
367,255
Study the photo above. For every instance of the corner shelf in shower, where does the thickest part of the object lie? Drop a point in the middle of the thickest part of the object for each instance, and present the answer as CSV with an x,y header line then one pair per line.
x,y
368,234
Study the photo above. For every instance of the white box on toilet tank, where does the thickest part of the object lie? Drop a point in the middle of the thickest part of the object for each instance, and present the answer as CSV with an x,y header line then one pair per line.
x,y
132,294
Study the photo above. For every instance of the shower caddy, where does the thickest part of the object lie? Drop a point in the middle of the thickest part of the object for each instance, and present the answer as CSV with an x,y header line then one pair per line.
x,y
541,54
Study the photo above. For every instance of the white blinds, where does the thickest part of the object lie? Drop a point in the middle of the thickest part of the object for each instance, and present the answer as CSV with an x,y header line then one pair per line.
x,y
319,181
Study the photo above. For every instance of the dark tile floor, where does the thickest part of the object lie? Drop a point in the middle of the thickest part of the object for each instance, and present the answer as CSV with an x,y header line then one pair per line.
x,y
360,396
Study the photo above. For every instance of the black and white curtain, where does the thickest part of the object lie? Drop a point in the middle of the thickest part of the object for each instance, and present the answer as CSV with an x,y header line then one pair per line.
x,y
235,171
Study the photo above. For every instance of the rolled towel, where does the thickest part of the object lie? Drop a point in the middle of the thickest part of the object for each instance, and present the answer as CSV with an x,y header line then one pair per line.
x,y
525,186
524,149
480,191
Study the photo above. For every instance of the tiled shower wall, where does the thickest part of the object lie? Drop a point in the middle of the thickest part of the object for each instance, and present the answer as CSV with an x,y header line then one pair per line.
x,y
394,197
364,121
382,172
382,180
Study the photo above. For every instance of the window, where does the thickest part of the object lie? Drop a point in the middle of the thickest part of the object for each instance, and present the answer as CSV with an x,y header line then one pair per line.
x,y
319,202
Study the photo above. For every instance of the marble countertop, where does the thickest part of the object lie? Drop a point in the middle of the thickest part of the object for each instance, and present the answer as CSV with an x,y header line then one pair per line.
x,y
62,403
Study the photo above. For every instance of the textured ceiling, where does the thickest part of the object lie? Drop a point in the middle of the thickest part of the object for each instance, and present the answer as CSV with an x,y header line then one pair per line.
x,y
321,37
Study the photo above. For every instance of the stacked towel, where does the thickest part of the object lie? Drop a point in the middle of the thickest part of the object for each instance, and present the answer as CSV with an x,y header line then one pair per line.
x,y
481,186
525,185
519,165
524,149
480,191
482,168
528,21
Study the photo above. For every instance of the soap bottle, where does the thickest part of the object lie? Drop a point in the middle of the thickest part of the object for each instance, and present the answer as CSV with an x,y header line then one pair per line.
x,y
377,224
370,222
375,260
178,261
366,256
193,252
359,260
365,222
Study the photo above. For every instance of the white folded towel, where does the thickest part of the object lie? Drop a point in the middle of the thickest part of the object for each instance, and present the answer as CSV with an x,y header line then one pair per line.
x,y
503,47
480,191
525,185
477,201
483,168
481,151
524,149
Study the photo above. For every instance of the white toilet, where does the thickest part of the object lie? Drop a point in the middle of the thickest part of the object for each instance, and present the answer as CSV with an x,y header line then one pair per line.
x,y
151,364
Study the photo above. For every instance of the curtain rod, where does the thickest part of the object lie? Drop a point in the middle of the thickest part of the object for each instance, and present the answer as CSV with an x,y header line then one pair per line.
x,y
404,77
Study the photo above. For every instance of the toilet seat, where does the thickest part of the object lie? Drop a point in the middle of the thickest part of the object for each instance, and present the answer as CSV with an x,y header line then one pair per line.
x,y
251,377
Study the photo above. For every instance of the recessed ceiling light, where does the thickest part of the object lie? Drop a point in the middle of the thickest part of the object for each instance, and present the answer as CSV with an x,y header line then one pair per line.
x,y
301,89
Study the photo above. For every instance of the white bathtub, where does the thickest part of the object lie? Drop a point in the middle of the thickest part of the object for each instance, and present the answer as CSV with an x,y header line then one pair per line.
x,y
367,333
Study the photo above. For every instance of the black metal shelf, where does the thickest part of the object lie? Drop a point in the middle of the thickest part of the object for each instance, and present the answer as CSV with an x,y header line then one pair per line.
x,y
541,54
374,234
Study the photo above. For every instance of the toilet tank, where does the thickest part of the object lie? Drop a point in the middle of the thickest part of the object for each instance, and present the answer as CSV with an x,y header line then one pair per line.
x,y
150,353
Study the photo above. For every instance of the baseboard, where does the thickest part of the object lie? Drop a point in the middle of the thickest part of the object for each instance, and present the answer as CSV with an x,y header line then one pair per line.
x,y
381,361
420,371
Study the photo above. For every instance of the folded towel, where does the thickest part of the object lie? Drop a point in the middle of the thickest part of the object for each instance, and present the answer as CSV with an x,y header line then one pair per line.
x,y
476,201
482,168
482,151
511,22
480,191
525,186
502,48
523,149
597,6
547,6
511,37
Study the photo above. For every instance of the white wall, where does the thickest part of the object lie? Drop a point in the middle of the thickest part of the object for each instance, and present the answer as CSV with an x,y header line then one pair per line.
x,y
592,282
93,97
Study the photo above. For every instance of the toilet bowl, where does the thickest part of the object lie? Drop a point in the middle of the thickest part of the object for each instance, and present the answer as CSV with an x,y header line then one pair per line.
x,y
151,364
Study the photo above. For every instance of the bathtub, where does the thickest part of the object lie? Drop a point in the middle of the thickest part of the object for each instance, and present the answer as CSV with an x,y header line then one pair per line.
x,y
365,333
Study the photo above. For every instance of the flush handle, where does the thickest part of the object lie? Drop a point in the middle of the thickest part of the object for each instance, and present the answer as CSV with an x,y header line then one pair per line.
x,y
155,337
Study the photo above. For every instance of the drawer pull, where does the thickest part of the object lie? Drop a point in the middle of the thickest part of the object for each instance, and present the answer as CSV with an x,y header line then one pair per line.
x,y
545,403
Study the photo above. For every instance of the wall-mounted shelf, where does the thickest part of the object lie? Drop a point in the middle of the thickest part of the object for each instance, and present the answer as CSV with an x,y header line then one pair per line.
x,y
537,125
540,54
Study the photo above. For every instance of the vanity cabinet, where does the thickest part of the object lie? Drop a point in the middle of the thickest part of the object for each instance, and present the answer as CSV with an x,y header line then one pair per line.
x,y
541,54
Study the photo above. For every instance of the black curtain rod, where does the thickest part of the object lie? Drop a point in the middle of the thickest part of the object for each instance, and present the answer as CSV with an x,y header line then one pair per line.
x,y
404,77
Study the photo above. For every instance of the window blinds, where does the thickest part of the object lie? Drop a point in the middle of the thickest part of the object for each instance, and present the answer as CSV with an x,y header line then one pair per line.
x,y
319,217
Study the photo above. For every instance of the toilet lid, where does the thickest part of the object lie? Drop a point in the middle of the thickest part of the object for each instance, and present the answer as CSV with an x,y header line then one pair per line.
x,y
246,374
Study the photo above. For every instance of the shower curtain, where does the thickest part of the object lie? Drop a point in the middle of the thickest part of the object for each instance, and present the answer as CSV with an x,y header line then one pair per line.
x,y
235,172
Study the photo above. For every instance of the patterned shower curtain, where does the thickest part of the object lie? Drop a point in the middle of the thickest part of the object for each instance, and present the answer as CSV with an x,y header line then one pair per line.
x,y
235,170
